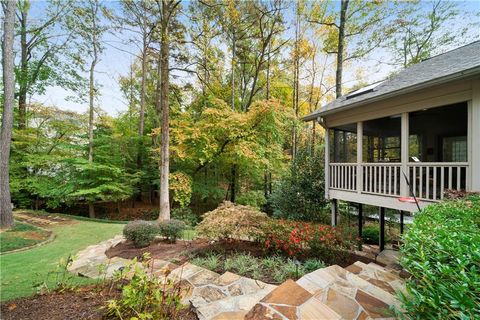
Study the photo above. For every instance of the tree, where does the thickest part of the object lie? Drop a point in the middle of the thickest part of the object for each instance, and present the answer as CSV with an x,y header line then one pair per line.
x,y
299,194
354,31
422,32
89,29
138,17
6,215
168,10
42,46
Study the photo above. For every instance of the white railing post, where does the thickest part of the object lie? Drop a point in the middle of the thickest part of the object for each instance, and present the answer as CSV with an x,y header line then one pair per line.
x,y
359,157
327,163
404,138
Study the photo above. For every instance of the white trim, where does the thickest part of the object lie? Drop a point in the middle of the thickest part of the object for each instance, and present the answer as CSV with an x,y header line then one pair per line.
x,y
378,201
359,157
404,141
434,97
474,133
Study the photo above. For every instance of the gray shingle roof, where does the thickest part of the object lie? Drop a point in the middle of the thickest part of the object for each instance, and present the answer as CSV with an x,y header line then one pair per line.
x,y
452,65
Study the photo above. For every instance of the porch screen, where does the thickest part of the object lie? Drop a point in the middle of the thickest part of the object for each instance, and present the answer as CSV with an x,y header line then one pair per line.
x,y
381,140
343,144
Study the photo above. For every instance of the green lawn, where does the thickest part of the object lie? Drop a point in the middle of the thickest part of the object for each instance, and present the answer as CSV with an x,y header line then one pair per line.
x,y
21,270
20,236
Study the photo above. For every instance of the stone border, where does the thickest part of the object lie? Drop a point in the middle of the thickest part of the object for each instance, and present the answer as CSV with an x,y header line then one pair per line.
x,y
92,262
51,237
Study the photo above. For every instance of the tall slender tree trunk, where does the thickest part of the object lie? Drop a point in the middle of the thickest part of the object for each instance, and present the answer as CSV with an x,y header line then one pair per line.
x,y
340,48
296,66
23,83
233,183
141,120
234,52
165,112
91,97
6,215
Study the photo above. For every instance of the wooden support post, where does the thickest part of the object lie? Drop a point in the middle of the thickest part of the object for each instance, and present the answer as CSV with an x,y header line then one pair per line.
x,y
382,229
404,192
401,221
359,157
334,212
360,225
327,163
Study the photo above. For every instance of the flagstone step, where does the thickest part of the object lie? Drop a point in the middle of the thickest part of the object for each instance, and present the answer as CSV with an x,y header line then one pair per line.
x,y
383,278
291,301
217,296
353,296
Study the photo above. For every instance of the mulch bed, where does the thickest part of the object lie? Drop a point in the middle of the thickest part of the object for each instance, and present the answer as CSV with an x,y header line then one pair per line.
x,y
83,303
158,250
180,251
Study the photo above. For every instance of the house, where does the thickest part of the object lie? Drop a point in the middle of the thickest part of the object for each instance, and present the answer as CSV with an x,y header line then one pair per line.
x,y
415,134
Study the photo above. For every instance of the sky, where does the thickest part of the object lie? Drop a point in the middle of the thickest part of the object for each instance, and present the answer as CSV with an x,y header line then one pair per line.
x,y
115,62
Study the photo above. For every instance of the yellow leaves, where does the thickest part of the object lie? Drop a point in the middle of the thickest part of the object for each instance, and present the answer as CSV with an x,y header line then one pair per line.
x,y
181,186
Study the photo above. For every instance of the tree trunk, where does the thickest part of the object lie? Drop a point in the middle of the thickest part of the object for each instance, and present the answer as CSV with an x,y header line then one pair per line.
x,y
6,215
141,121
22,92
234,48
233,183
340,49
91,93
165,112
91,210
296,66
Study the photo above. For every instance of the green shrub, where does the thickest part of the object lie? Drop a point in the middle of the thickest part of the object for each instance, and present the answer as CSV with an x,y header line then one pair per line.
x,y
186,215
171,229
146,297
232,221
300,193
141,232
371,235
252,198
442,253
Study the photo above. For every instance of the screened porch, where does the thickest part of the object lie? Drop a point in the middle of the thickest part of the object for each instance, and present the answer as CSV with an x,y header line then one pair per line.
x,y
423,152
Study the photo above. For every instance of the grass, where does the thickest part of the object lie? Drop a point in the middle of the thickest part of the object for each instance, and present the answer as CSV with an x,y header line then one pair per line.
x,y
21,271
20,236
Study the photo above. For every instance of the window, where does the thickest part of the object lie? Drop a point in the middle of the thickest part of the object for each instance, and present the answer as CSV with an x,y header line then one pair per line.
x,y
454,149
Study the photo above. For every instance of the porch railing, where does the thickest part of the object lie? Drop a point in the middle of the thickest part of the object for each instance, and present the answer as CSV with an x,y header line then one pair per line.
x,y
343,176
428,180
382,178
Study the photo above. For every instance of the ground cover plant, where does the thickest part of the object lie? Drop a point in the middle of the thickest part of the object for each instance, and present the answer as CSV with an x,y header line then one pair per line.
x,y
442,253
20,236
270,269
145,297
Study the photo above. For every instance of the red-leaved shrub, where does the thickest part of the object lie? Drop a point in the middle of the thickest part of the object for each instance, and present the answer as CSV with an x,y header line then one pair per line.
x,y
294,238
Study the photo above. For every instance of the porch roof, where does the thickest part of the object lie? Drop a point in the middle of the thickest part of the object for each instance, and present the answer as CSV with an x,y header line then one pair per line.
x,y
457,64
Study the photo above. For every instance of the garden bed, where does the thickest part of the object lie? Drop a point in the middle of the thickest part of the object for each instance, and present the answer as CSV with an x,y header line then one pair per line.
x,y
86,302
245,258
160,249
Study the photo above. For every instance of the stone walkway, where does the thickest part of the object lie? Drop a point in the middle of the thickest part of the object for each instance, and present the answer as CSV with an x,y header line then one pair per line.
x,y
360,291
